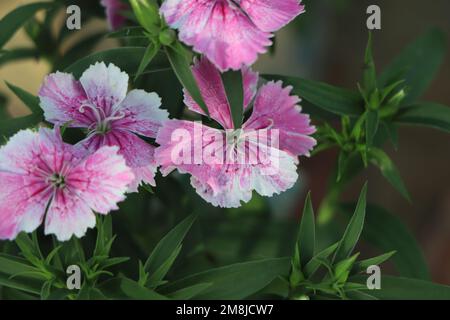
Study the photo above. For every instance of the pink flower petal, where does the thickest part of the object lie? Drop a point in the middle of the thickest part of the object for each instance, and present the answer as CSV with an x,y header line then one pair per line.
x,y
142,114
22,204
101,179
61,96
218,29
213,92
271,15
180,143
222,184
23,195
105,86
114,15
139,155
276,109
68,215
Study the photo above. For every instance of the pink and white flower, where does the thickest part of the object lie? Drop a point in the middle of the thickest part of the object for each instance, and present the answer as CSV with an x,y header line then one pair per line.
x,y
231,33
41,175
113,9
228,183
100,103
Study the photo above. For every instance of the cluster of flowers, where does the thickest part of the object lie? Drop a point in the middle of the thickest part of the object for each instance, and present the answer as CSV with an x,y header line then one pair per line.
x,y
44,178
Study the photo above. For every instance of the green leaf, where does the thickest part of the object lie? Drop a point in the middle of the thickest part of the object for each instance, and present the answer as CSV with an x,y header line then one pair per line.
x,y
149,54
372,122
31,101
353,230
388,169
189,292
126,58
234,282
342,164
29,249
14,20
18,54
370,74
333,99
425,114
12,265
359,295
127,32
180,60
155,279
164,250
343,268
125,288
312,266
234,88
388,233
417,64
23,284
307,233
361,266
398,288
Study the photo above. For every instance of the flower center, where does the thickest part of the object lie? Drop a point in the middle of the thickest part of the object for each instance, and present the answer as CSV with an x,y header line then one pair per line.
x,y
58,181
102,124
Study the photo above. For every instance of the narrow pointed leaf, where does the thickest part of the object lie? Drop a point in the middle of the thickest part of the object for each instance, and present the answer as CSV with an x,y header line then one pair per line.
x,y
189,292
388,169
127,59
234,282
330,98
425,114
157,277
353,230
18,54
124,288
361,266
15,19
399,288
149,54
307,233
369,75
234,88
387,232
312,266
417,64
31,101
169,244
180,60
372,122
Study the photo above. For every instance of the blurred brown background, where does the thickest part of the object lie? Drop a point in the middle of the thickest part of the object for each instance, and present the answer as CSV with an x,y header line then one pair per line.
x,y
327,44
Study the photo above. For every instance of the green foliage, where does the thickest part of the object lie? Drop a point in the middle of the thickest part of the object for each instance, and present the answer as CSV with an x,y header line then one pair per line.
x,y
234,88
17,18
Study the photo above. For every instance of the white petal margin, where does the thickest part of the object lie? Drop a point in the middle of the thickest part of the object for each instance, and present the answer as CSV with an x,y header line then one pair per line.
x,y
105,86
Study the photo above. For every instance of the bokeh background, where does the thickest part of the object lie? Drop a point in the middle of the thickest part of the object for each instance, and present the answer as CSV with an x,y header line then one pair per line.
x,y
327,44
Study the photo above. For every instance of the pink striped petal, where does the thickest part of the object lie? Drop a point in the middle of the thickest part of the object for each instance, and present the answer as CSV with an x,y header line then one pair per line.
x,y
114,15
61,96
271,15
139,155
218,29
142,114
211,87
105,86
276,109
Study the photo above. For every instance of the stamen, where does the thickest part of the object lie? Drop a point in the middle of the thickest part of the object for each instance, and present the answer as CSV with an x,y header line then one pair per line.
x,y
94,110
